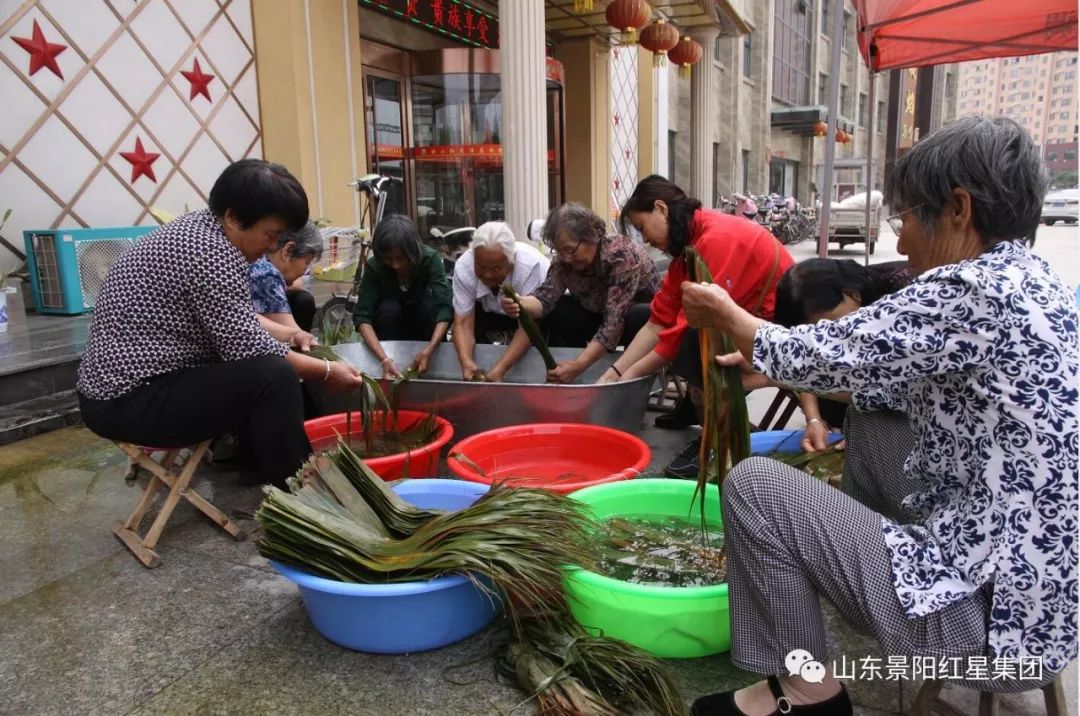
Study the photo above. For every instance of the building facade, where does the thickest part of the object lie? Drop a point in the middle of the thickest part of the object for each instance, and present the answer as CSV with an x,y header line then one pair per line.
x,y
772,84
1038,91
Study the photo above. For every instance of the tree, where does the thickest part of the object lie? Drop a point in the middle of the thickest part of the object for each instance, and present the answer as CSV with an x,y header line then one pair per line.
x,y
1065,180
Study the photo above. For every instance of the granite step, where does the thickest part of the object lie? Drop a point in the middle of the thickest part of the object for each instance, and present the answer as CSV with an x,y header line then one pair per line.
x,y
39,415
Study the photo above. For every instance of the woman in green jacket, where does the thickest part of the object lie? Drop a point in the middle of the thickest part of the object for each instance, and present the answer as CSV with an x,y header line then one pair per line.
x,y
404,294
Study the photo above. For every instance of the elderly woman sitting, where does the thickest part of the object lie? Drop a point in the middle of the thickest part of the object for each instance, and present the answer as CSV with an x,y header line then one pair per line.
x,y
271,276
981,352
610,280
494,259
404,294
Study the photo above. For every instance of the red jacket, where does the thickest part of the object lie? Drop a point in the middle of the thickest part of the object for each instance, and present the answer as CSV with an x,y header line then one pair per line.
x,y
741,255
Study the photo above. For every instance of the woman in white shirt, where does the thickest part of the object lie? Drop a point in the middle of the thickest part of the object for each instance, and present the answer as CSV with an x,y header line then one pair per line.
x,y
980,352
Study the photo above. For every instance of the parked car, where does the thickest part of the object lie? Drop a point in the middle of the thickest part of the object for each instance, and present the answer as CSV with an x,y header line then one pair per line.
x,y
1061,205
847,220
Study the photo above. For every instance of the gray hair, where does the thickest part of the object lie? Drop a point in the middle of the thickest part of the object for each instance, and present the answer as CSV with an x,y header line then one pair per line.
x,y
578,221
994,160
495,235
307,241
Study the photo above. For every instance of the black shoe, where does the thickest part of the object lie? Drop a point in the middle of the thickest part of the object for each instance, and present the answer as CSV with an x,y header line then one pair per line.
x,y
724,704
682,416
686,465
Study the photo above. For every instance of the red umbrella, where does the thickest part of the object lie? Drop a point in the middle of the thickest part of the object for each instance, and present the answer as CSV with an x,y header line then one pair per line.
x,y
915,33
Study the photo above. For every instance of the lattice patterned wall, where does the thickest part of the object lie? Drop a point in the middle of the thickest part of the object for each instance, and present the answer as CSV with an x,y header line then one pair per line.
x,y
115,106
624,125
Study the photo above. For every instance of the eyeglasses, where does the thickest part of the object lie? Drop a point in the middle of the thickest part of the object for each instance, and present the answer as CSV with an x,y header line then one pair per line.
x,y
564,254
896,221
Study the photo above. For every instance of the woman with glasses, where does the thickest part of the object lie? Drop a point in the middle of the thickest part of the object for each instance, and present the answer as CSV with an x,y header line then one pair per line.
x,y
741,255
596,292
978,561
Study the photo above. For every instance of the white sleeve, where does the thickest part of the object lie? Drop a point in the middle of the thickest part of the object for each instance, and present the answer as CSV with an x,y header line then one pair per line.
x,y
464,286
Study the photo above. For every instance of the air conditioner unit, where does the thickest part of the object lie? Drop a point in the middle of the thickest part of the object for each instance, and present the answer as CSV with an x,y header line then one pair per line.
x,y
68,266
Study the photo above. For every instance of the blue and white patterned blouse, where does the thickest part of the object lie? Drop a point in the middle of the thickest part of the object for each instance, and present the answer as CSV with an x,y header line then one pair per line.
x,y
267,288
982,356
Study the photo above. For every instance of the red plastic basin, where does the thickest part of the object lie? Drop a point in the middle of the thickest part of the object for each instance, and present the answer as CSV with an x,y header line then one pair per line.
x,y
421,462
562,457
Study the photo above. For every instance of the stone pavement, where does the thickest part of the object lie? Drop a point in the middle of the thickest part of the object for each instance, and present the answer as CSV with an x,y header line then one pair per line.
x,y
85,629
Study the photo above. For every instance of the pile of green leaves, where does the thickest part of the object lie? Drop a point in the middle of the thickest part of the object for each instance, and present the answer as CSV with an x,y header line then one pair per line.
x,y
341,521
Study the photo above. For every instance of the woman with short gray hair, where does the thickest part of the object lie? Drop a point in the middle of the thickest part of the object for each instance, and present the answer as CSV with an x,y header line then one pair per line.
x,y
980,351
285,312
597,292
494,259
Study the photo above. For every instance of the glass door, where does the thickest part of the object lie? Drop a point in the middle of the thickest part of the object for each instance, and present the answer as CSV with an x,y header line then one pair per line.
x,y
386,140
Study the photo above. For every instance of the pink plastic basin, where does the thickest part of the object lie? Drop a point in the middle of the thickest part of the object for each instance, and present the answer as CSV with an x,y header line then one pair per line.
x,y
562,457
420,462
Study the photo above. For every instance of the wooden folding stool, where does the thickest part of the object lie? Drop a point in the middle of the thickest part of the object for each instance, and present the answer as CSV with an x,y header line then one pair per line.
x,y
927,701
176,477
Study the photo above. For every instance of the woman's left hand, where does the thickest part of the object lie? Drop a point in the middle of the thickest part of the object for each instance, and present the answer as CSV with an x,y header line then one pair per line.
x,y
420,363
565,372
302,340
706,304
751,379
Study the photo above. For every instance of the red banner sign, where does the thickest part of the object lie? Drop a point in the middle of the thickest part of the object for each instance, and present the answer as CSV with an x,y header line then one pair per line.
x,y
458,20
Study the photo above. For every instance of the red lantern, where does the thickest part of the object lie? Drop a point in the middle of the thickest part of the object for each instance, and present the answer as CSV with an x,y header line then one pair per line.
x,y
839,136
848,137
628,16
658,38
688,52
820,129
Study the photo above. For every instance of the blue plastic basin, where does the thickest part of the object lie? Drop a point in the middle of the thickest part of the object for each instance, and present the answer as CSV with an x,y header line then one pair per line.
x,y
781,441
402,617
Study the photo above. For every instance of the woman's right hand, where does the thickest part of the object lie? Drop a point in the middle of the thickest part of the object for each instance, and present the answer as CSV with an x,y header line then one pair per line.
x,y
609,376
510,307
389,369
343,377
468,370
816,436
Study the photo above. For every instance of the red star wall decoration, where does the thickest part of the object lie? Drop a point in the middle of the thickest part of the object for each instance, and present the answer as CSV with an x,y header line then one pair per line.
x,y
42,52
142,161
199,81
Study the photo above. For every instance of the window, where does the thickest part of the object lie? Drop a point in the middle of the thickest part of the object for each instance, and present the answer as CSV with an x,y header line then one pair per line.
x,y
880,117
1051,157
747,55
823,89
1070,154
845,101
671,137
716,49
843,37
826,26
746,171
862,109
791,73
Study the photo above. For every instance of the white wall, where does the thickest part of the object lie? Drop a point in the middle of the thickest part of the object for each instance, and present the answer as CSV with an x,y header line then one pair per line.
x,y
62,138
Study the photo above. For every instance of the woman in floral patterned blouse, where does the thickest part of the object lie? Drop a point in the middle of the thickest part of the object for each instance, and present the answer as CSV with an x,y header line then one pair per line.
x,y
980,352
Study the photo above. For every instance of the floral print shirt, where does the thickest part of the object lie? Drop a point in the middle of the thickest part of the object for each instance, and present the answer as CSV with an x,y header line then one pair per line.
x,y
982,356
267,288
621,275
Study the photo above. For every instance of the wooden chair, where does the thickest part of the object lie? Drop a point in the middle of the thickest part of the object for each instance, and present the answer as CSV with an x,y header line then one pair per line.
x,y
927,701
175,476
672,389
778,405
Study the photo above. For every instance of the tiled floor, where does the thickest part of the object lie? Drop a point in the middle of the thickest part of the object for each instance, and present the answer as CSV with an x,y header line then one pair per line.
x,y
85,629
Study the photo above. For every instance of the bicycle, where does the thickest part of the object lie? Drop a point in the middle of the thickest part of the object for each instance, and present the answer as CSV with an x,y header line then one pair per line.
x,y
333,320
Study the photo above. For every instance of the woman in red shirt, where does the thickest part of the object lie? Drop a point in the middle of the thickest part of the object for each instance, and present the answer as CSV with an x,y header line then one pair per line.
x,y
743,258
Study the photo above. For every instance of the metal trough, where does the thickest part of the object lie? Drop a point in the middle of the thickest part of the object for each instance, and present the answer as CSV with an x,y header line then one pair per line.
x,y
524,398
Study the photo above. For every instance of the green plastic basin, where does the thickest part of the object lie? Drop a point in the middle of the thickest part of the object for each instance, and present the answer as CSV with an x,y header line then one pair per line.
x,y
670,622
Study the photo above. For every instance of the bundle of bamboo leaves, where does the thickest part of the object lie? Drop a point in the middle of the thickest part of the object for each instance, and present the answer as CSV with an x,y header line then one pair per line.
x,y
725,438
341,521
530,327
